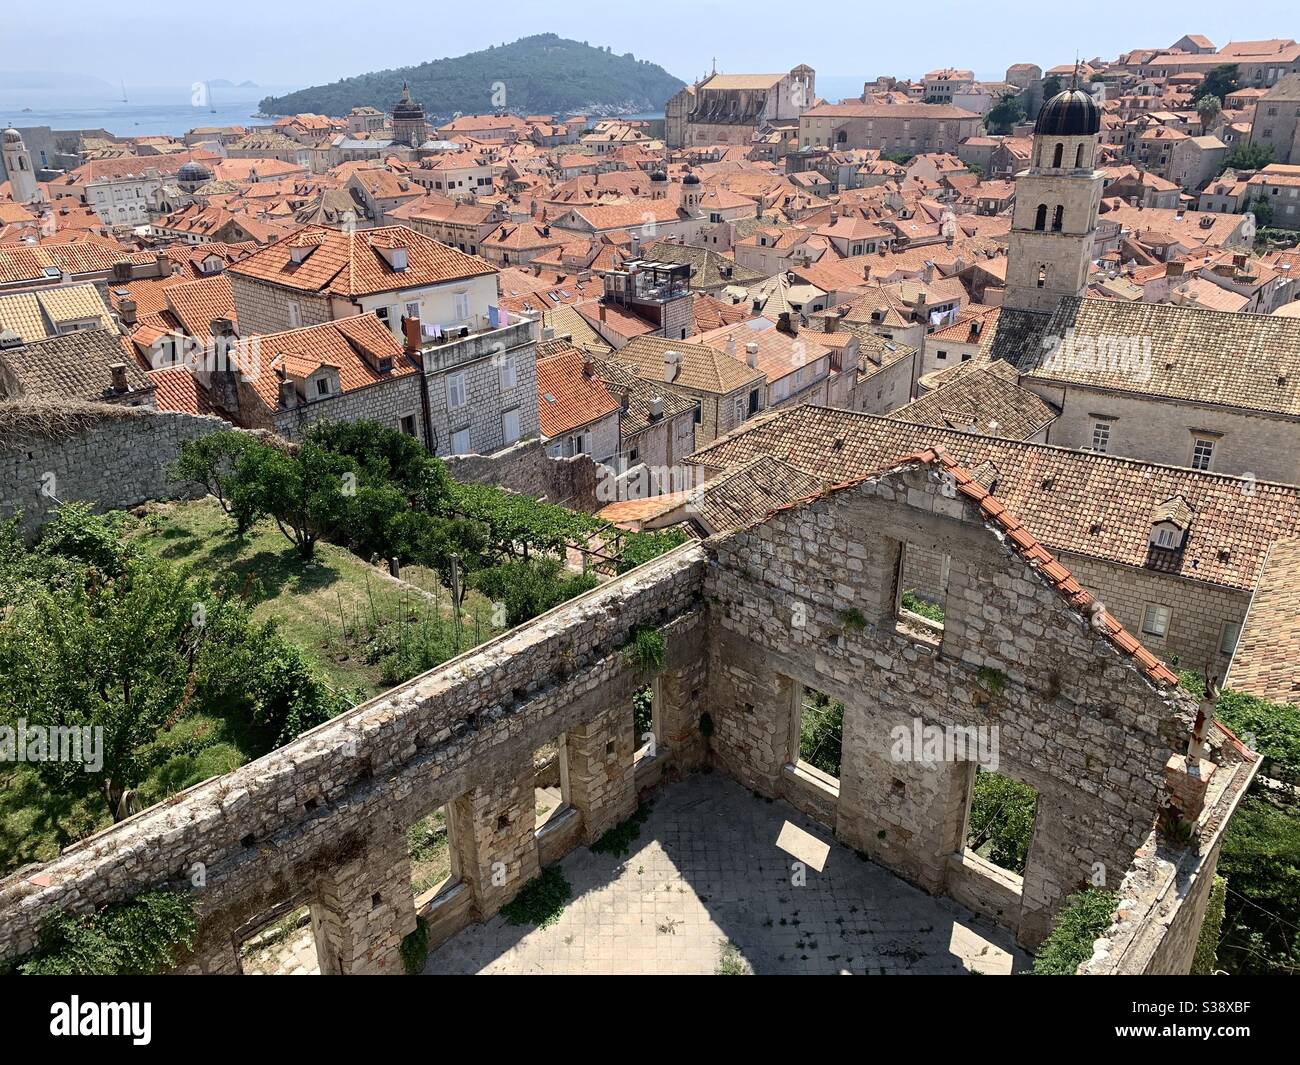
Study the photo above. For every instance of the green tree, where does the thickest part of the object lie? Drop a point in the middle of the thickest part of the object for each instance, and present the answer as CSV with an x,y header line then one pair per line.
x,y
209,462
119,657
1261,209
1247,157
1052,86
1208,109
1006,114
1001,820
1221,81
309,493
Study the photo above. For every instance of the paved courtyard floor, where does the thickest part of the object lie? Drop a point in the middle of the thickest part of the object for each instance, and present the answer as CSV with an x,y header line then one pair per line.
x,y
711,882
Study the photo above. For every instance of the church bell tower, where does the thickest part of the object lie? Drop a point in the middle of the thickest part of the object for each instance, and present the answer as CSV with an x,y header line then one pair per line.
x,y
1057,200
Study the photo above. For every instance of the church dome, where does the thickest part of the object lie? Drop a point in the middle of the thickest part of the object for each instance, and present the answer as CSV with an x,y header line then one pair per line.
x,y
1072,113
690,179
193,171
658,175
13,138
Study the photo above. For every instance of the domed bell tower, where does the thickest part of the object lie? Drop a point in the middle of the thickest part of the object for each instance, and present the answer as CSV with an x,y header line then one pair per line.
x,y
1057,200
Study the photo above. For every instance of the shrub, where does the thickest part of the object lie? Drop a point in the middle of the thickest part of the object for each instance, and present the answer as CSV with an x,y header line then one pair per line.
x,y
1075,928
640,547
142,936
414,948
647,648
618,840
529,588
911,601
541,901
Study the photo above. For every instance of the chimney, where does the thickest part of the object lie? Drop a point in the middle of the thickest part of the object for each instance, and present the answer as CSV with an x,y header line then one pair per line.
x,y
588,369
122,270
751,355
672,363
656,407
117,377
1239,260
786,322
288,394
1174,269
126,312
411,334
731,344
602,311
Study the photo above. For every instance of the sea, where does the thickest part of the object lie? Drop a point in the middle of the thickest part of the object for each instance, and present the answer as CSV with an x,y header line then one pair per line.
x,y
169,110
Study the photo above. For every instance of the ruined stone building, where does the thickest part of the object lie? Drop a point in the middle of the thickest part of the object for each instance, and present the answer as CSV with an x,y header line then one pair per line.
x,y
803,599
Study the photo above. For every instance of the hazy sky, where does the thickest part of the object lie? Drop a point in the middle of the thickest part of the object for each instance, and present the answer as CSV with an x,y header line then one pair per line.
x,y
150,43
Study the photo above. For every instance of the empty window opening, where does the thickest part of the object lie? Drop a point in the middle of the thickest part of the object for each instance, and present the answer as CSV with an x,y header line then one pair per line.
x,y
922,593
647,735
1058,218
821,731
433,859
1056,156
283,946
1040,217
1000,820
550,781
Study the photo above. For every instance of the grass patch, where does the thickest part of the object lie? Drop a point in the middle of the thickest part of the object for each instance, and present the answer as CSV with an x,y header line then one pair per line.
x,y
361,631
541,901
618,840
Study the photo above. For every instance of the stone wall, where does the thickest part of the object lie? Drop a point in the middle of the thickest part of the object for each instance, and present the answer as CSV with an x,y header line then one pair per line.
x,y
325,817
386,402
110,456
1165,891
527,469
1071,716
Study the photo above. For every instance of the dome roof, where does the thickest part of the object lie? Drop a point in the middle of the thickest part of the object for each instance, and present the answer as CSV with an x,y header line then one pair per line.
x,y
690,179
193,171
658,175
12,136
1073,113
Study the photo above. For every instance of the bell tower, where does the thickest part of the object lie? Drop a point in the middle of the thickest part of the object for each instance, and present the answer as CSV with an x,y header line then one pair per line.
x,y
18,165
1057,200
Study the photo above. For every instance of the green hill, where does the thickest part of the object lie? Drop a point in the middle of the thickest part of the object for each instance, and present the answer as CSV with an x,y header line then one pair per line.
x,y
539,75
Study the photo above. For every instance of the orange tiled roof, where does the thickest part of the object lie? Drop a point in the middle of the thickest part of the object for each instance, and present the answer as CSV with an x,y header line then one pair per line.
x,y
340,343
566,397
350,264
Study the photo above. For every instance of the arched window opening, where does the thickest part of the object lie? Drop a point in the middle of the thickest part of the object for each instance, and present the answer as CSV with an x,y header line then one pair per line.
x,y
1078,158
1060,153
1058,218
1040,219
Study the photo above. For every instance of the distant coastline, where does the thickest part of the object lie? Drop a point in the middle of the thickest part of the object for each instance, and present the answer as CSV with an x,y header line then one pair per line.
x,y
147,112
